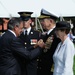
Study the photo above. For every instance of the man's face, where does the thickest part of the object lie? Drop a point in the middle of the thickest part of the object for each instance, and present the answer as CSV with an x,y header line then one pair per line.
x,y
18,30
46,23
43,26
27,23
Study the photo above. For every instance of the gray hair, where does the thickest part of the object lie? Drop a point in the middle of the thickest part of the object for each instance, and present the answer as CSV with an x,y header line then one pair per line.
x,y
14,22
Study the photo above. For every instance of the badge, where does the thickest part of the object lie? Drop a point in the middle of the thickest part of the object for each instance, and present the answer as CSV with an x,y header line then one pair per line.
x,y
25,43
33,41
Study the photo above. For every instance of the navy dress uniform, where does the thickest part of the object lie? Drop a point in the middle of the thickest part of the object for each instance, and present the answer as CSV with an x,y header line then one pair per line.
x,y
29,40
45,61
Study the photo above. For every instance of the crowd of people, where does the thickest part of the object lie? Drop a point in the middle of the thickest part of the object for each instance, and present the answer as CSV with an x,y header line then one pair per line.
x,y
25,51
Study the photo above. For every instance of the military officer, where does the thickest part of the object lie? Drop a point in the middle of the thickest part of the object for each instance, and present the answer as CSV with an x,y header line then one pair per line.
x,y
29,38
45,61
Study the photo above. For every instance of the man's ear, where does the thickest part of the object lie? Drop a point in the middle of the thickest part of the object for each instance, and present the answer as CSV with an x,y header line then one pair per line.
x,y
15,27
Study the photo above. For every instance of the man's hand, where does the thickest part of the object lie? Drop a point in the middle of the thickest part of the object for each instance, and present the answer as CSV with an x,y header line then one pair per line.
x,y
40,43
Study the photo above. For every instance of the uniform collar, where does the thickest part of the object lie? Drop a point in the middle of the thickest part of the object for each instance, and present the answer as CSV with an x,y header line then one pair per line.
x,y
50,30
28,30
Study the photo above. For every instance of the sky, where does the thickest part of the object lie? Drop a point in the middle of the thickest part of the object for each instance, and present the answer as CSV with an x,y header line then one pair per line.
x,y
57,7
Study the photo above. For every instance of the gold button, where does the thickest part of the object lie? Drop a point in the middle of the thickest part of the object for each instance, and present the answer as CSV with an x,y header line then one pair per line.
x,y
25,43
25,47
37,59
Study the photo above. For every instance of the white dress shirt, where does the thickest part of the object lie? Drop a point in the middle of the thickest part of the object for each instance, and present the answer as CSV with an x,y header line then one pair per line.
x,y
28,30
63,58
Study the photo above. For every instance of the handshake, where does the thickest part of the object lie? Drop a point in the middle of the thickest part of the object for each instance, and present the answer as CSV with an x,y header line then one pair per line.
x,y
40,43
46,46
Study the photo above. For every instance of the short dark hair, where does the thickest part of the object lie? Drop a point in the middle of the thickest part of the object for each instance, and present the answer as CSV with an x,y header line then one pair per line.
x,y
14,22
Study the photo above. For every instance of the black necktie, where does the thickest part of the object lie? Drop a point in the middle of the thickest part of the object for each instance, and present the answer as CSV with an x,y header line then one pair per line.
x,y
26,33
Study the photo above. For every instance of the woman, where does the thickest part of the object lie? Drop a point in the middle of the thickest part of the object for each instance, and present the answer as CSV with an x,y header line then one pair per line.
x,y
64,54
